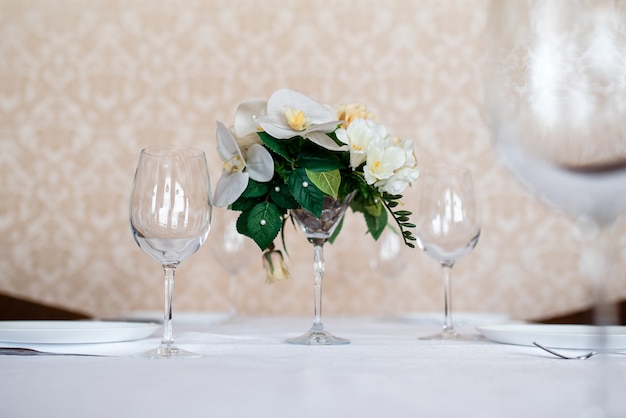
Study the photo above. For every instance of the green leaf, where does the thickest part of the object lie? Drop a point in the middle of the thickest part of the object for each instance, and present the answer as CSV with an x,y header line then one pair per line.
x,y
376,224
242,224
336,232
279,146
262,223
255,189
319,159
279,194
401,217
243,204
327,181
373,205
389,196
310,197
375,209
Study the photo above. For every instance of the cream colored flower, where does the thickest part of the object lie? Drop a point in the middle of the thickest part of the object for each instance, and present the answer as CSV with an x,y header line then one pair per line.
x,y
382,160
351,111
358,136
402,175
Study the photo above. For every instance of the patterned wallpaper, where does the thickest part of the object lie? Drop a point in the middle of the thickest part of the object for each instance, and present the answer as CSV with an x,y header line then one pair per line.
x,y
84,85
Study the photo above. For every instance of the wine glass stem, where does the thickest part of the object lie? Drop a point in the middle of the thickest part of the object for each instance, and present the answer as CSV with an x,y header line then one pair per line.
x,y
169,270
598,262
389,297
318,271
448,326
233,291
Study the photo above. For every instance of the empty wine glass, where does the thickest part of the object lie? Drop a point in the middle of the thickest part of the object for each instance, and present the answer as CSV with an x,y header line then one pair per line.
x,y
170,218
232,251
447,228
557,105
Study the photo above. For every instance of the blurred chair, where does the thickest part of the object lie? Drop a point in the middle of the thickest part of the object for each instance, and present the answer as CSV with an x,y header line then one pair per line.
x,y
585,316
13,308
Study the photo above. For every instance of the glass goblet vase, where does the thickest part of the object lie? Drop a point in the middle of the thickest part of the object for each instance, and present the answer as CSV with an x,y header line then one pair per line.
x,y
318,231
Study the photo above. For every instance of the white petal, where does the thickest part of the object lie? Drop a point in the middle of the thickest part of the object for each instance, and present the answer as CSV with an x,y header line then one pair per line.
x,y
229,187
259,163
245,123
276,126
325,141
342,135
226,144
393,158
357,158
286,98
323,127
369,177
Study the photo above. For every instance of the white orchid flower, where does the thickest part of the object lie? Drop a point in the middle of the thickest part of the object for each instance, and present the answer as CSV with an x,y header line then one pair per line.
x,y
358,136
290,113
239,166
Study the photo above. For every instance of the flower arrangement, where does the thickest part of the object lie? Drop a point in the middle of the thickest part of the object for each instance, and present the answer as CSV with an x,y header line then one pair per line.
x,y
290,151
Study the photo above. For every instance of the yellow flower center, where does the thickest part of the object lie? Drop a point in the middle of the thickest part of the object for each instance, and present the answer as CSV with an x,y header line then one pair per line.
x,y
234,164
297,120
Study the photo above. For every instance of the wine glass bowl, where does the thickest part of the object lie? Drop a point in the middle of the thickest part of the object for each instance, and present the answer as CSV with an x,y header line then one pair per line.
x,y
322,228
447,227
170,219
556,101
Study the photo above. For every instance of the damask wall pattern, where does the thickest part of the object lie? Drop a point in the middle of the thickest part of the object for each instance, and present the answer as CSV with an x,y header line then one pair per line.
x,y
84,85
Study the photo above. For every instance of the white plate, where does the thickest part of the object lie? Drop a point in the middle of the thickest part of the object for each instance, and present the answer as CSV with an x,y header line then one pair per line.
x,y
586,337
178,318
73,332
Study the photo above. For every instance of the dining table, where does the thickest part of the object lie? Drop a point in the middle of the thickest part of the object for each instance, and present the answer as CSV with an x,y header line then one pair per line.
x,y
247,370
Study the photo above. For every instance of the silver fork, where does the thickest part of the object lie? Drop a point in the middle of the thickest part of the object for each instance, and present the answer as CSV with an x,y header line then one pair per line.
x,y
20,351
579,357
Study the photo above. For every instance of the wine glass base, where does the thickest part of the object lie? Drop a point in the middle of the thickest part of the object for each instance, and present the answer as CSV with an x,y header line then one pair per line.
x,y
168,352
317,338
452,336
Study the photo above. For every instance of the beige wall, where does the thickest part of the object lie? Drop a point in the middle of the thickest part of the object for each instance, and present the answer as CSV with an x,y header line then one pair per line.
x,y
84,85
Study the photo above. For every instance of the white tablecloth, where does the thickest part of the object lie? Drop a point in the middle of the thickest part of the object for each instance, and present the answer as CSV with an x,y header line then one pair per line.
x,y
248,371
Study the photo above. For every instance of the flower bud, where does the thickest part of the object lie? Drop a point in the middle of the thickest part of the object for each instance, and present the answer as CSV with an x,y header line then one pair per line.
x,y
275,266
